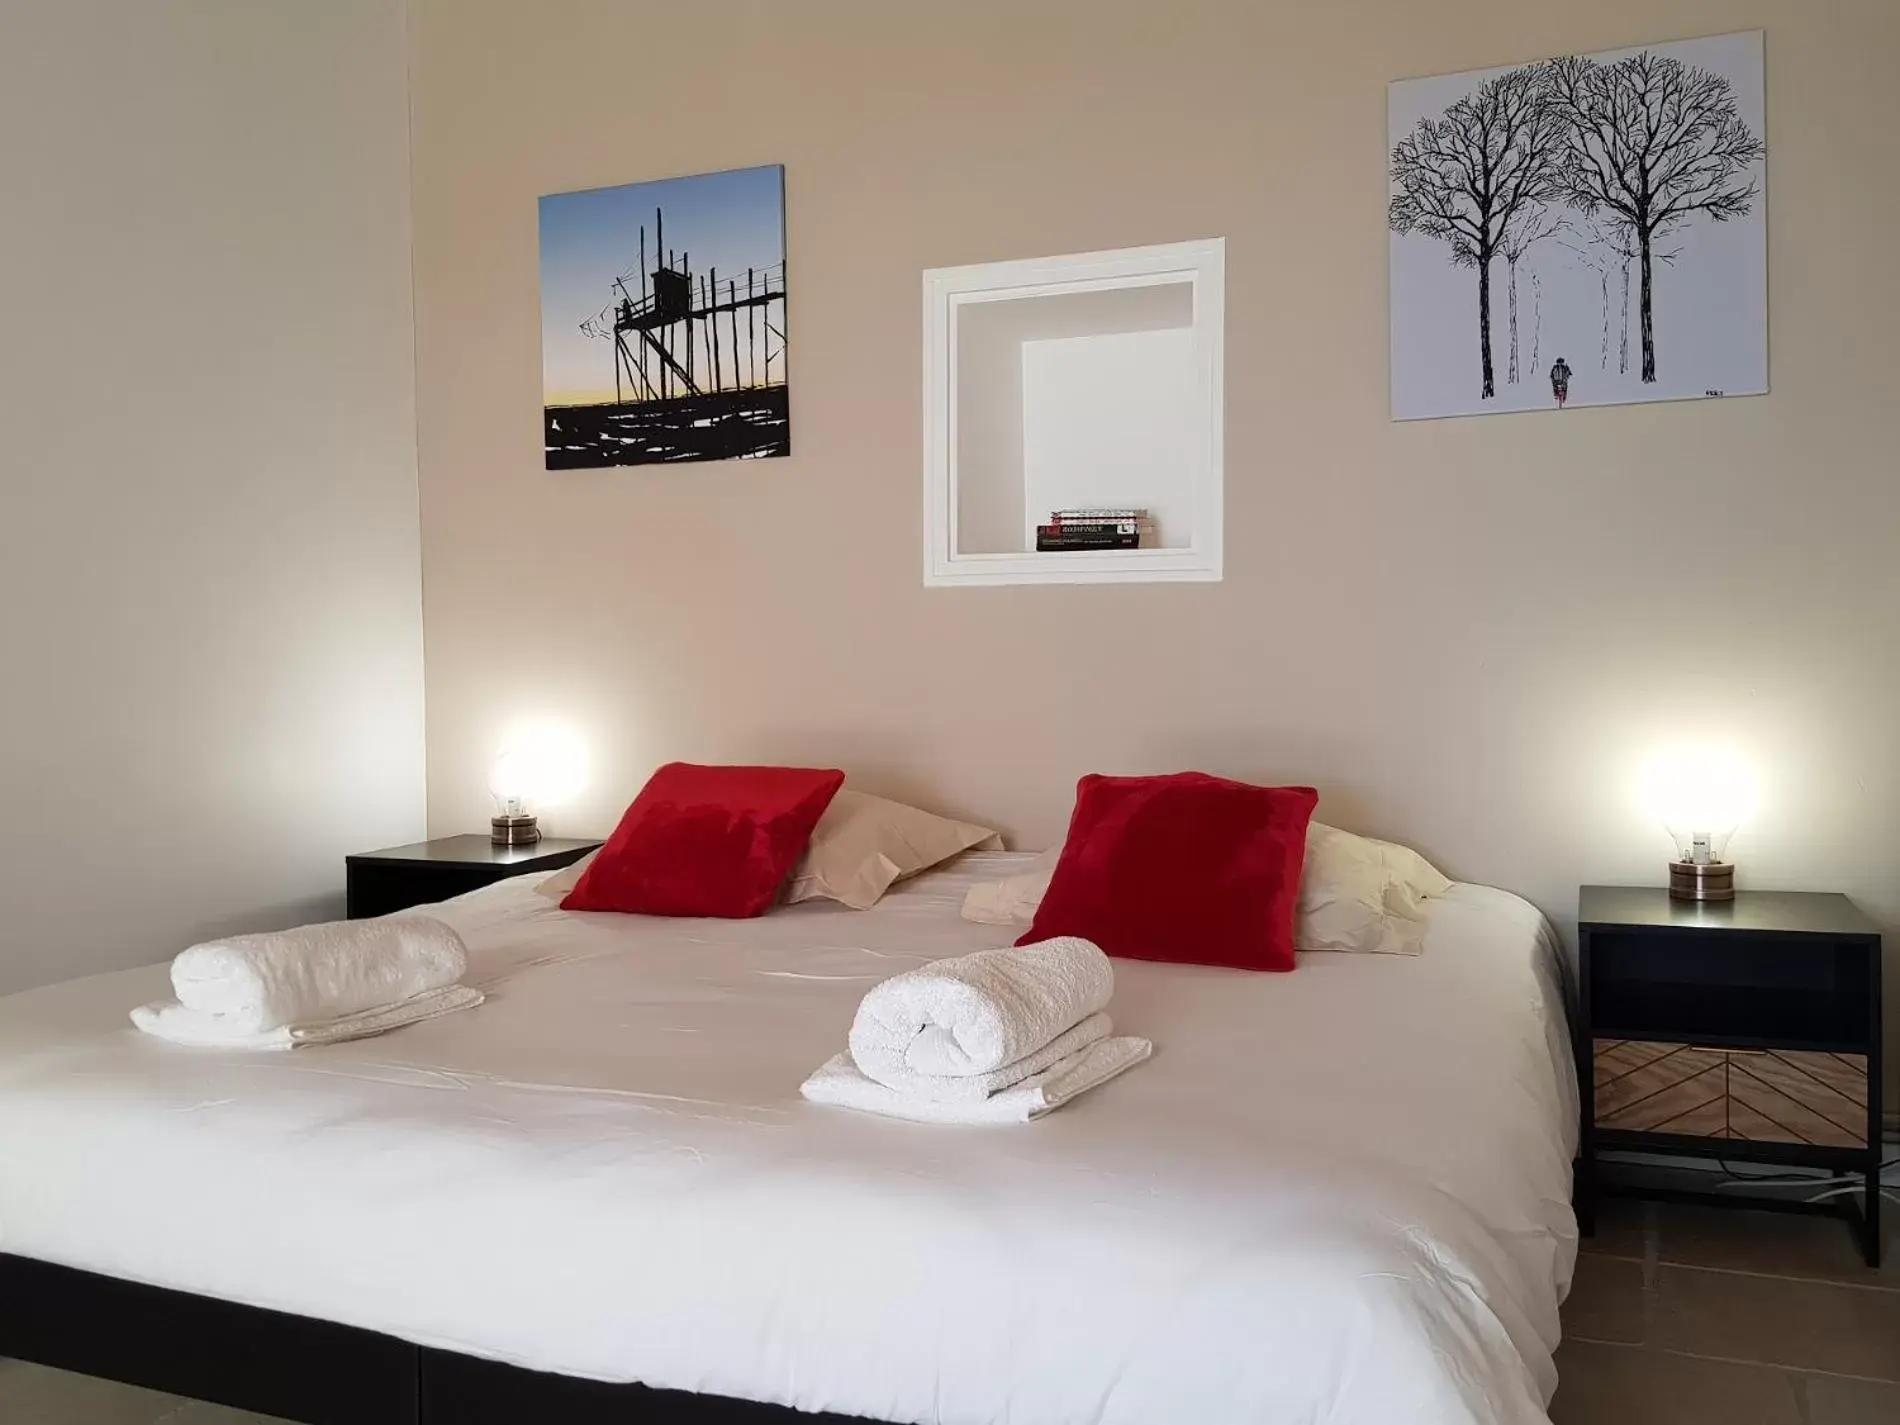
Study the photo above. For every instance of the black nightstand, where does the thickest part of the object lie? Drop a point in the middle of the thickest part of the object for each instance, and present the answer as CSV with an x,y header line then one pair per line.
x,y
383,881
1746,1030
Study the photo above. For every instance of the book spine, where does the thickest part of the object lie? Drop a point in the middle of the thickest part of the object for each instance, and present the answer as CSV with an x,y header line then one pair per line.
x,y
1052,543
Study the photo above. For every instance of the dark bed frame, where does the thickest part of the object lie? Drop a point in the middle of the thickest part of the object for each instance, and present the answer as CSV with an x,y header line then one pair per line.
x,y
313,1371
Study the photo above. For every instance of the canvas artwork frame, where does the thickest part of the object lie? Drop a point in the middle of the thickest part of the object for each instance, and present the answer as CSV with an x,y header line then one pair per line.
x,y
663,321
1580,231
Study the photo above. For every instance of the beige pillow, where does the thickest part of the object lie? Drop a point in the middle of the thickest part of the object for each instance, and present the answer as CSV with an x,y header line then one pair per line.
x,y
1012,900
556,886
863,844
1356,894
1362,895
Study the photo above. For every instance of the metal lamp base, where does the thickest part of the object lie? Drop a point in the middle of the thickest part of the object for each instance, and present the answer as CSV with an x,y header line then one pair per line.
x,y
1713,882
513,831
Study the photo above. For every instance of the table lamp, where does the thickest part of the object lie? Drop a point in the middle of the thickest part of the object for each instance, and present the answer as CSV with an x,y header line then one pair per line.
x,y
538,767
1702,797
509,783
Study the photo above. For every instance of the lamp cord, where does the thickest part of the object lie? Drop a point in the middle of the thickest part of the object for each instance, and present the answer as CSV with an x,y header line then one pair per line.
x,y
1836,1186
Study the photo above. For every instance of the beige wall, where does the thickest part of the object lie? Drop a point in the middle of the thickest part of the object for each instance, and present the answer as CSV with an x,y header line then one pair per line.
x,y
1469,634
210,612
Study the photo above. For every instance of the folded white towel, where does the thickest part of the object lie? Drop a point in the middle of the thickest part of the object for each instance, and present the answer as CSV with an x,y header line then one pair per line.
x,y
979,1013
255,983
168,1019
842,1084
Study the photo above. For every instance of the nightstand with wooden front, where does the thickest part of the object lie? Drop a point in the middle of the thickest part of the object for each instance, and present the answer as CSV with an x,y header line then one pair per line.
x,y
1746,1030
424,872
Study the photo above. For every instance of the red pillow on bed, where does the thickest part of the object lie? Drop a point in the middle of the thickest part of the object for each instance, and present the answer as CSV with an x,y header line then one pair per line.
x,y
1191,869
716,841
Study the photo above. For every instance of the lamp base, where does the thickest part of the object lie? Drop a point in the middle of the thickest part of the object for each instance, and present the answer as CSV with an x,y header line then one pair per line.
x,y
1713,882
513,831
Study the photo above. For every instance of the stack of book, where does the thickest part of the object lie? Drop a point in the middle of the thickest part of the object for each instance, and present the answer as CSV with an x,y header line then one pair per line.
x,y
1093,529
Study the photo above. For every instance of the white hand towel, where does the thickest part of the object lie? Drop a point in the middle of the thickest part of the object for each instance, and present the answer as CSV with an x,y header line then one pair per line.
x,y
970,1088
168,1019
841,1084
979,1013
256,983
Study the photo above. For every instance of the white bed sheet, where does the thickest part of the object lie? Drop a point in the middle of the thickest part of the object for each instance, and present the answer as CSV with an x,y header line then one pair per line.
x,y
1339,1194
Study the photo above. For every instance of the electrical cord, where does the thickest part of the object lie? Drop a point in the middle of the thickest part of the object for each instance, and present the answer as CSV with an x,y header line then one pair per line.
x,y
1887,1190
1841,1185
1740,1179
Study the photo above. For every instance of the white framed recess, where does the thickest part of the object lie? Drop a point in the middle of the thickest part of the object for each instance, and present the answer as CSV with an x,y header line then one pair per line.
x,y
1091,380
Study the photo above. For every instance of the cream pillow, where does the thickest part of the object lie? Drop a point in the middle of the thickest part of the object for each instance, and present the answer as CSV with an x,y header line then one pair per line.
x,y
1012,900
1356,894
862,844
556,886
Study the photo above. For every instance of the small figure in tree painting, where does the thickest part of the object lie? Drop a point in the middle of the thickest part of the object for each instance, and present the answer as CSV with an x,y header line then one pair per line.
x,y
1560,382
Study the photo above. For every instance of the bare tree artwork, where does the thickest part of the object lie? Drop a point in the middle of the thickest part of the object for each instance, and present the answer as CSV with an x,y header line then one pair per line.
x,y
1655,142
1466,176
1620,195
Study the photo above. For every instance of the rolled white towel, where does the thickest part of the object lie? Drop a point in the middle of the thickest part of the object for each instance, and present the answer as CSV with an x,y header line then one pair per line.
x,y
257,983
169,1019
978,1013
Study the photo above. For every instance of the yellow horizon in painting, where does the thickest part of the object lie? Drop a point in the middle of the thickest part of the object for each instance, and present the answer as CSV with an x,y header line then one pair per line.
x,y
563,400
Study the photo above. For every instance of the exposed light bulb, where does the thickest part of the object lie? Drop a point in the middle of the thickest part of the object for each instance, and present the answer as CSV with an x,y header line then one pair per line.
x,y
510,782
540,765
1703,797
1701,794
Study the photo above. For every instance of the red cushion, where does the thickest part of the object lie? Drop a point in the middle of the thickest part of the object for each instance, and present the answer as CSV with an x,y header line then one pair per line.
x,y
707,841
1191,869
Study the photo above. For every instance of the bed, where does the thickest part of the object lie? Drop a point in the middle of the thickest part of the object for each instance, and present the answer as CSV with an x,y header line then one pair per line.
x,y
1339,1194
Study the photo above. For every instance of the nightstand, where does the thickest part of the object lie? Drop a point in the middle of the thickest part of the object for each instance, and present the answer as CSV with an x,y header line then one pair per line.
x,y
427,871
1747,1030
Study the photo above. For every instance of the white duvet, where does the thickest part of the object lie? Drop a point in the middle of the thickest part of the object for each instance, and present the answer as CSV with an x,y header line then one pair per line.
x,y
1338,1195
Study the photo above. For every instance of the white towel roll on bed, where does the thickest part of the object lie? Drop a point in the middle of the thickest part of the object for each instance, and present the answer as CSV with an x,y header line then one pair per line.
x,y
258,983
978,1013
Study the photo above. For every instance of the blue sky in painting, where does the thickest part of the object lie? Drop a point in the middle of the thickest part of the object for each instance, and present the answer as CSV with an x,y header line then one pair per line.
x,y
729,221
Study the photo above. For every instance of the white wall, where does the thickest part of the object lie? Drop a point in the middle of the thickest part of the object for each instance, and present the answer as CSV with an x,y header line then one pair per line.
x,y
1471,634
210,622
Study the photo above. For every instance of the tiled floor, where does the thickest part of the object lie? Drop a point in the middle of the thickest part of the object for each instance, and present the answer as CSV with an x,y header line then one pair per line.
x,y
32,1395
1699,1316
1680,1316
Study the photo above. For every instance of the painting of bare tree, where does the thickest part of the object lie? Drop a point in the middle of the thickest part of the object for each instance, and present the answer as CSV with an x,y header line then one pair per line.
x,y
1622,191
